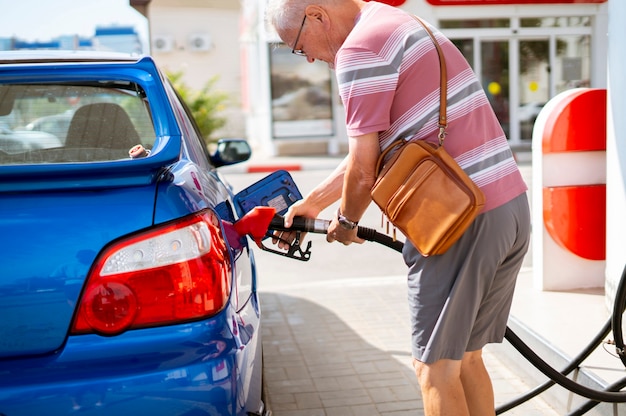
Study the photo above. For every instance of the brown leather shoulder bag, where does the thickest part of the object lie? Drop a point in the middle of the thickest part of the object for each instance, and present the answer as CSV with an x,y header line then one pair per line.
x,y
422,190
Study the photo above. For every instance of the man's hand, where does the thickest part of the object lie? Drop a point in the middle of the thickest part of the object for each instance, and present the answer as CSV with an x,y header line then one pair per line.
x,y
299,208
338,233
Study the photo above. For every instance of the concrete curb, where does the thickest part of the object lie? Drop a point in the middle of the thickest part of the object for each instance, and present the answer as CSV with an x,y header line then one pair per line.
x,y
291,164
273,167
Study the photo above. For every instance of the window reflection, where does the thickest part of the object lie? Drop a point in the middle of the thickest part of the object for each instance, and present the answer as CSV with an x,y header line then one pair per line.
x,y
301,95
570,21
474,23
573,62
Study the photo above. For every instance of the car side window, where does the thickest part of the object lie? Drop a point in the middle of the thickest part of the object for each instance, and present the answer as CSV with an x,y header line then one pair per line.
x,y
195,142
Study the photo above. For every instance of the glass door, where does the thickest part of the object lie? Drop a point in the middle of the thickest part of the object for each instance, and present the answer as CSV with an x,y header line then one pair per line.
x,y
490,59
534,83
495,77
524,62
548,67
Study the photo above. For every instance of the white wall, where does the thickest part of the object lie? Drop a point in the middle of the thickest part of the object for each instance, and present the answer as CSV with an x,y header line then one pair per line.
x,y
180,24
249,113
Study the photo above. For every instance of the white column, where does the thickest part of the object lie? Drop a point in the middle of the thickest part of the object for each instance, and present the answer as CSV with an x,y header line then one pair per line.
x,y
616,148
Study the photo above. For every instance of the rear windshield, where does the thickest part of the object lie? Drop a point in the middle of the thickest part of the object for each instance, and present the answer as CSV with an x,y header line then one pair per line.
x,y
67,123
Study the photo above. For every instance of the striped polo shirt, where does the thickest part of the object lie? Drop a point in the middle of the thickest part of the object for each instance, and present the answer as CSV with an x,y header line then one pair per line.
x,y
388,76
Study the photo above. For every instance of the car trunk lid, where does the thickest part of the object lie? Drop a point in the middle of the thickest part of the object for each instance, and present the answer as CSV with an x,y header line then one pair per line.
x,y
51,238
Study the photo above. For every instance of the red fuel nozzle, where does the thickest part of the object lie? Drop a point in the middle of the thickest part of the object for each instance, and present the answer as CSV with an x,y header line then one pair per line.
x,y
259,220
255,223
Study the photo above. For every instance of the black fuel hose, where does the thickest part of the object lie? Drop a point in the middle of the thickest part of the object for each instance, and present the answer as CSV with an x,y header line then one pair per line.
x,y
596,396
619,305
614,323
319,226
560,379
573,365
618,385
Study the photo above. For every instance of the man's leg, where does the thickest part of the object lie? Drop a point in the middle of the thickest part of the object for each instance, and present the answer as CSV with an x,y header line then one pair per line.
x,y
477,384
442,390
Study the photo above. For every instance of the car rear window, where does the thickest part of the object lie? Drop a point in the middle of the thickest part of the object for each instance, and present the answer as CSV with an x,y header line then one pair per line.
x,y
67,123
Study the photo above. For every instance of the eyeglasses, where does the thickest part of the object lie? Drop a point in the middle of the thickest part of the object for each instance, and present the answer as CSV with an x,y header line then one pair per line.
x,y
299,52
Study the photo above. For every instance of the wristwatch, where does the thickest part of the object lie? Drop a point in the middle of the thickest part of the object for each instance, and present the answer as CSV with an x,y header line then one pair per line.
x,y
345,222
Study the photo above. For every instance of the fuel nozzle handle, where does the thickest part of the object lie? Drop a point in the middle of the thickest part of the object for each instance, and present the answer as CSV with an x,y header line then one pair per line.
x,y
308,225
319,226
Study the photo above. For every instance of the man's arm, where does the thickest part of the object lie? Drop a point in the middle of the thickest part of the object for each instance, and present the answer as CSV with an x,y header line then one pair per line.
x,y
359,177
322,196
351,181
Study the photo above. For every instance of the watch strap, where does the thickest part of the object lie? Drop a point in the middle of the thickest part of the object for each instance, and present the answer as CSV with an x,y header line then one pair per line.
x,y
345,222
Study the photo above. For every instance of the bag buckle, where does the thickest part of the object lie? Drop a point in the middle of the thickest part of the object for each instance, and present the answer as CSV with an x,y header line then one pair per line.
x,y
442,134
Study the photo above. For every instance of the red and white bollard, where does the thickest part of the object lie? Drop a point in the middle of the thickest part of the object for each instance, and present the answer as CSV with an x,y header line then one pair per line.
x,y
569,191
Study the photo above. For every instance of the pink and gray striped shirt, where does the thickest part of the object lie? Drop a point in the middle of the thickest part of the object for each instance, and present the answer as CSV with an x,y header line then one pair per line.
x,y
388,77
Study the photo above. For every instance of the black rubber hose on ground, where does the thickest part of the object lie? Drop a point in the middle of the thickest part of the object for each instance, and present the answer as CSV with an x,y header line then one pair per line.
x,y
617,386
573,365
611,394
560,379
619,305
321,226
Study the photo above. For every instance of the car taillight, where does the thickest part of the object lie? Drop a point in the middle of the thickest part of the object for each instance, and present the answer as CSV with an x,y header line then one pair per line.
x,y
171,274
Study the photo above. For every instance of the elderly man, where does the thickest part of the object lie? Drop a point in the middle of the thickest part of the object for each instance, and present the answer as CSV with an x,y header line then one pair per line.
x,y
387,70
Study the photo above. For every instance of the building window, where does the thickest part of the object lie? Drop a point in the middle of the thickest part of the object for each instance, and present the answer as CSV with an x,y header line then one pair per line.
x,y
475,24
301,95
570,21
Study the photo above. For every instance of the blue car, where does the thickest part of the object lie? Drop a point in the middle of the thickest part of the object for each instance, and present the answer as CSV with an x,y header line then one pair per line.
x,y
120,293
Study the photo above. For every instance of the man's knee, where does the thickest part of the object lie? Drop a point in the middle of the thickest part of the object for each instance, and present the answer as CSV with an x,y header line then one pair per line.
x,y
441,371
421,372
472,359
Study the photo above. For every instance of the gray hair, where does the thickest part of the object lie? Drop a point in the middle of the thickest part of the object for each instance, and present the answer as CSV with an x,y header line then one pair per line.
x,y
288,14
281,14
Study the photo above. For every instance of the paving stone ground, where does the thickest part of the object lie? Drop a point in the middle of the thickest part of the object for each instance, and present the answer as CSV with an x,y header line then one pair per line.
x,y
342,348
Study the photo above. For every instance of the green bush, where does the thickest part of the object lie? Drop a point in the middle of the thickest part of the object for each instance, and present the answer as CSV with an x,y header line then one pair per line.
x,y
205,105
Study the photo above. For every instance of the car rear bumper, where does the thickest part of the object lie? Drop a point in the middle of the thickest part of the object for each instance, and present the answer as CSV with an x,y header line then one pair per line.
x,y
206,370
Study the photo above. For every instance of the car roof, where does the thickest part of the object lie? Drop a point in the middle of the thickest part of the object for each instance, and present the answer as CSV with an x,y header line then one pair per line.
x,y
44,56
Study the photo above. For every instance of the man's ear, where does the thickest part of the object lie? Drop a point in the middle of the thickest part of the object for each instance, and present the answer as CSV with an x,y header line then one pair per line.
x,y
318,14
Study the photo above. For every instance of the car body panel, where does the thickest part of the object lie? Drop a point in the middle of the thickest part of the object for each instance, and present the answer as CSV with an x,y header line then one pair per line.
x,y
42,230
58,218
130,376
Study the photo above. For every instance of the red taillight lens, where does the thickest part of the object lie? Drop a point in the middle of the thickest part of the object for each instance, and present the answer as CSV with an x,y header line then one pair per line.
x,y
172,274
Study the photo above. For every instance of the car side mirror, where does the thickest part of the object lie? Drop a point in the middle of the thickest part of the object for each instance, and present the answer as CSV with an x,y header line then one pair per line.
x,y
230,152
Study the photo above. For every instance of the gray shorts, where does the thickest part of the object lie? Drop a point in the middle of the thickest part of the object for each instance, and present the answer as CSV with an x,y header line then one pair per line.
x,y
460,301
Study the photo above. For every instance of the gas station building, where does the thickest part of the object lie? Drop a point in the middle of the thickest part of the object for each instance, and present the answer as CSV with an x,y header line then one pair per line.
x,y
526,53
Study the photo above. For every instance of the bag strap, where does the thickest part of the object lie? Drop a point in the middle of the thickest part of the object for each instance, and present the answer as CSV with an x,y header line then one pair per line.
x,y
443,97
443,83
